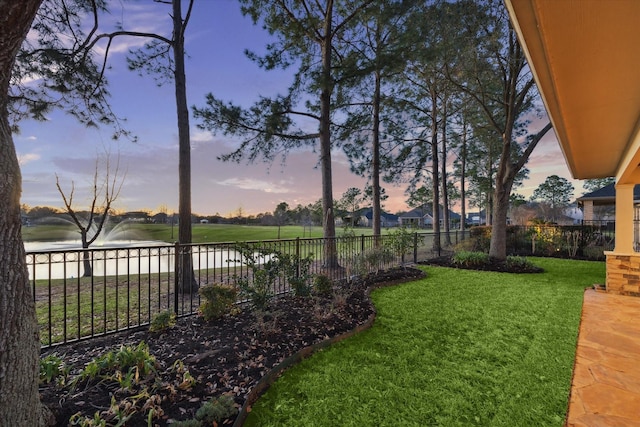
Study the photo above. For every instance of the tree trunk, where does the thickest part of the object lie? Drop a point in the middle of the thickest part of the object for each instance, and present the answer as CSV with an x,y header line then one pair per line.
x,y
498,248
19,341
435,170
375,161
187,282
328,222
463,172
445,195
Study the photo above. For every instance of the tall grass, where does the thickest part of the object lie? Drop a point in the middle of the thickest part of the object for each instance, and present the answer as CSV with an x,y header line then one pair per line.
x,y
459,348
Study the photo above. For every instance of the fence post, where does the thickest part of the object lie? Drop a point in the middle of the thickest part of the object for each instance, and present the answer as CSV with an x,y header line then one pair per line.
x,y
297,257
415,247
176,275
362,243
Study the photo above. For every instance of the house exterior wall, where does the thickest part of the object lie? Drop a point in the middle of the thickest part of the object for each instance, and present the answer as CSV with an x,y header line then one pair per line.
x,y
588,210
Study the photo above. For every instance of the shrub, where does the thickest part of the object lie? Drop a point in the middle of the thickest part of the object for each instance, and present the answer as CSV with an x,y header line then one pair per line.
x,y
546,240
218,300
216,410
481,238
470,259
377,258
519,263
594,253
400,241
265,266
211,413
322,285
52,367
162,321
298,273
114,363
258,289
78,419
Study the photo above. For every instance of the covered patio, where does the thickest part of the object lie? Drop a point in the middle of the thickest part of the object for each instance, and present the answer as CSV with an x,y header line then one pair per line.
x,y
585,60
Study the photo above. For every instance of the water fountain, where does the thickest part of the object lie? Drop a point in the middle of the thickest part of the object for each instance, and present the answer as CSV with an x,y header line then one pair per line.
x,y
118,251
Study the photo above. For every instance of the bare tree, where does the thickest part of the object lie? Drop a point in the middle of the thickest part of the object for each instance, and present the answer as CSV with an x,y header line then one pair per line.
x,y
90,223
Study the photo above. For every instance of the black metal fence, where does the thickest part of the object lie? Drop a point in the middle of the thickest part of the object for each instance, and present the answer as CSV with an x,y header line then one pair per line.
x,y
130,285
568,241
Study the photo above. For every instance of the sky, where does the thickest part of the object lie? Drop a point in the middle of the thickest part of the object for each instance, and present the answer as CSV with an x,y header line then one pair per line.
x,y
216,39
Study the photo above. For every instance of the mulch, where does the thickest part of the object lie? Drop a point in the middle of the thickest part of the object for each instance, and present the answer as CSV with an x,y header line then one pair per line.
x,y
228,356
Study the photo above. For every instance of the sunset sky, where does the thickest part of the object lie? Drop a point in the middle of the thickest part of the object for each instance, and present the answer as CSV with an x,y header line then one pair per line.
x,y
216,39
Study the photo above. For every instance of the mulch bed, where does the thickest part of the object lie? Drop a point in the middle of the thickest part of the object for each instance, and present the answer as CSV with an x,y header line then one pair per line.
x,y
492,265
228,356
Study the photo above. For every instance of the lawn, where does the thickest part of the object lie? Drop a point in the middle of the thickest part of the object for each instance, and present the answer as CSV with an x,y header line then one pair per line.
x,y
202,233
458,348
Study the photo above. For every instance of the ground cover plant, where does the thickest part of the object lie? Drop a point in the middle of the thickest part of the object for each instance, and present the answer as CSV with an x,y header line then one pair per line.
x,y
459,347
476,260
196,363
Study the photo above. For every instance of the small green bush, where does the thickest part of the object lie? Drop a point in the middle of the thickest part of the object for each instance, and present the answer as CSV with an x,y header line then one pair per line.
x,y
400,242
374,259
162,321
298,273
519,263
113,364
259,289
470,259
594,253
211,413
218,300
80,420
216,410
469,245
480,237
52,367
266,268
322,284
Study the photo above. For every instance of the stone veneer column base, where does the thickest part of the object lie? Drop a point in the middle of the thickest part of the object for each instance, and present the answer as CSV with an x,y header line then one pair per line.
x,y
623,273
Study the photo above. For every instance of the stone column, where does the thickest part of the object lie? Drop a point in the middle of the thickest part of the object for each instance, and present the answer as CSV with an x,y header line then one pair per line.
x,y
624,219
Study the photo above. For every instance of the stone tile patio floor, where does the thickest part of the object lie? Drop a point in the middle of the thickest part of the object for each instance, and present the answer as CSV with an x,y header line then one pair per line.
x,y
605,390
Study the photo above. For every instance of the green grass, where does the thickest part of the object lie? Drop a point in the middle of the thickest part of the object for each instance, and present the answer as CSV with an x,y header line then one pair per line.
x,y
114,304
202,233
459,348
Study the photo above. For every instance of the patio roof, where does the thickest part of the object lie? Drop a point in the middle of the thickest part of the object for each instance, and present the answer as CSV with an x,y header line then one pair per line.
x,y
585,58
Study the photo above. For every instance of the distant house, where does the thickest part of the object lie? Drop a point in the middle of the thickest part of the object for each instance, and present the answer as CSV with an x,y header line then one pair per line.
x,y
160,218
422,217
386,219
477,218
599,205
573,214
136,216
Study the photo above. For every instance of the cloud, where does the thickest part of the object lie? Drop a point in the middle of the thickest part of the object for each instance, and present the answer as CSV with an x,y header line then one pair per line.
x,y
254,184
28,158
198,136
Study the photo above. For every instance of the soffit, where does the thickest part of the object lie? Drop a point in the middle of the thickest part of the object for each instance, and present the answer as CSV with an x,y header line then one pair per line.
x,y
585,57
